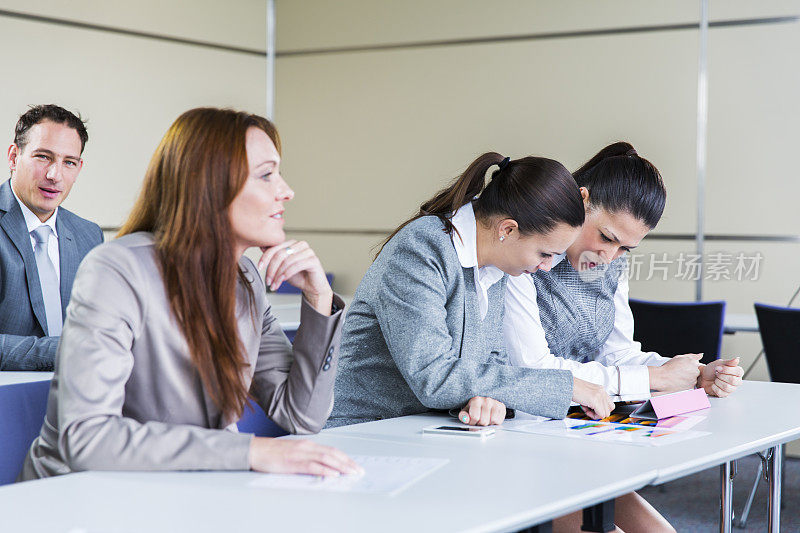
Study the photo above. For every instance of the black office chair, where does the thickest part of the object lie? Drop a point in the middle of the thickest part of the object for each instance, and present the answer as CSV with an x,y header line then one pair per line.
x,y
676,328
778,327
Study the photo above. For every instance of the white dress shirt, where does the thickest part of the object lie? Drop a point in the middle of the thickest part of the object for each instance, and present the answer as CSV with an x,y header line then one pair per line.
x,y
33,222
620,365
467,251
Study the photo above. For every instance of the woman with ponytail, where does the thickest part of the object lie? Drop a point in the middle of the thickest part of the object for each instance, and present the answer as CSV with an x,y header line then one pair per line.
x,y
576,316
424,330
169,331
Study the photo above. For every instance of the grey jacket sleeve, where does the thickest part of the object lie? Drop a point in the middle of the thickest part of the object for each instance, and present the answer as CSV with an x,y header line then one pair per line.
x,y
294,385
411,311
107,309
27,353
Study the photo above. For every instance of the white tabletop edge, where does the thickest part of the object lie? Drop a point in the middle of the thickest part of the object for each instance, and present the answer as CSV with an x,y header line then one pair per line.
x,y
14,377
667,474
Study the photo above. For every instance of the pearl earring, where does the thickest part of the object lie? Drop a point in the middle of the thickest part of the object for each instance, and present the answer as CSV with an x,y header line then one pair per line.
x,y
502,238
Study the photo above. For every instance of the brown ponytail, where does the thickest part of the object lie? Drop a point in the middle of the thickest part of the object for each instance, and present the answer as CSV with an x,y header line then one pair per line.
x,y
536,192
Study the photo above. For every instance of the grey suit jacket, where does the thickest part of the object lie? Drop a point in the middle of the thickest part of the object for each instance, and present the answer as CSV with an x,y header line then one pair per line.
x,y
24,344
409,342
126,395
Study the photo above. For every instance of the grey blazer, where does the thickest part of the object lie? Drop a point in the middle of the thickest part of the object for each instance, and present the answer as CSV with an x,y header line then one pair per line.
x,y
24,344
409,343
126,395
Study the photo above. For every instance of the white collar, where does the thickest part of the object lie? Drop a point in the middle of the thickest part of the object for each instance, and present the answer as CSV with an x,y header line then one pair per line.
x,y
465,238
467,250
31,220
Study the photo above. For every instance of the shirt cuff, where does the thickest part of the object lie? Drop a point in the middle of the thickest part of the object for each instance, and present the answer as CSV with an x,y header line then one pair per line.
x,y
634,380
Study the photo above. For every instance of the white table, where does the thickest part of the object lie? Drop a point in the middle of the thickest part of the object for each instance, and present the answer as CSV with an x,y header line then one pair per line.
x,y
747,422
10,377
740,322
740,425
286,308
512,481
496,485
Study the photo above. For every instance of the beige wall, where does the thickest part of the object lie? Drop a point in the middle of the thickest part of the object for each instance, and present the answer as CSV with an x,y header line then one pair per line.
x,y
239,23
129,88
371,133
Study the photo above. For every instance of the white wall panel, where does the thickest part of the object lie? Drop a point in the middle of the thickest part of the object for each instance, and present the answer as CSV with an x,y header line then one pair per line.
x,y
753,136
649,280
771,279
370,135
778,277
238,23
312,24
743,9
129,89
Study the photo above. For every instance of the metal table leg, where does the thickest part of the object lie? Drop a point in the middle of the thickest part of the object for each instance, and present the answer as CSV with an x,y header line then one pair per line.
x,y
742,523
726,473
775,475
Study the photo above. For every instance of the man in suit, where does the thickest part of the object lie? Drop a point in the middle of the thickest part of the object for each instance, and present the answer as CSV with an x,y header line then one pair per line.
x,y
41,244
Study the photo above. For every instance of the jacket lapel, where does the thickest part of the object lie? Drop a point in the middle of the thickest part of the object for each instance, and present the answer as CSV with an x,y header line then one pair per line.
x,y
13,223
68,257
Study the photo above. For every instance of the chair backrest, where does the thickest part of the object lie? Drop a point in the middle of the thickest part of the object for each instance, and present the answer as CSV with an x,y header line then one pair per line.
x,y
286,288
677,328
22,410
255,420
779,328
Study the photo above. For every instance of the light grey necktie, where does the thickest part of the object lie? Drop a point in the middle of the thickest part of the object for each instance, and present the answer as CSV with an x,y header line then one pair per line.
x,y
51,290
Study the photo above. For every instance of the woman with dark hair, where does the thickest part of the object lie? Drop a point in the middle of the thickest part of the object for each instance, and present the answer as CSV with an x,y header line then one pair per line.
x,y
169,331
424,330
579,310
577,317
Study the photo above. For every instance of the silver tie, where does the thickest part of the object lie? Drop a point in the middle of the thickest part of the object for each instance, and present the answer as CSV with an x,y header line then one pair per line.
x,y
51,290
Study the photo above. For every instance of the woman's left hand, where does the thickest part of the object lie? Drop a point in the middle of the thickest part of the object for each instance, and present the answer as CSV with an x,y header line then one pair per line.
x,y
483,411
296,263
721,377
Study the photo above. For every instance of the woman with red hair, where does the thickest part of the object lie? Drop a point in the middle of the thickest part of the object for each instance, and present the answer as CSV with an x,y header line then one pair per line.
x,y
169,331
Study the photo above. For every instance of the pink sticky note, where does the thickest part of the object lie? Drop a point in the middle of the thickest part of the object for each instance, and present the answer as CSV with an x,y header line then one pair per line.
x,y
676,403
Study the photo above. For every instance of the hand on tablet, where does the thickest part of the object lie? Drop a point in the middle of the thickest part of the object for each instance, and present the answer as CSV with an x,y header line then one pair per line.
x,y
592,398
483,411
721,377
287,456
